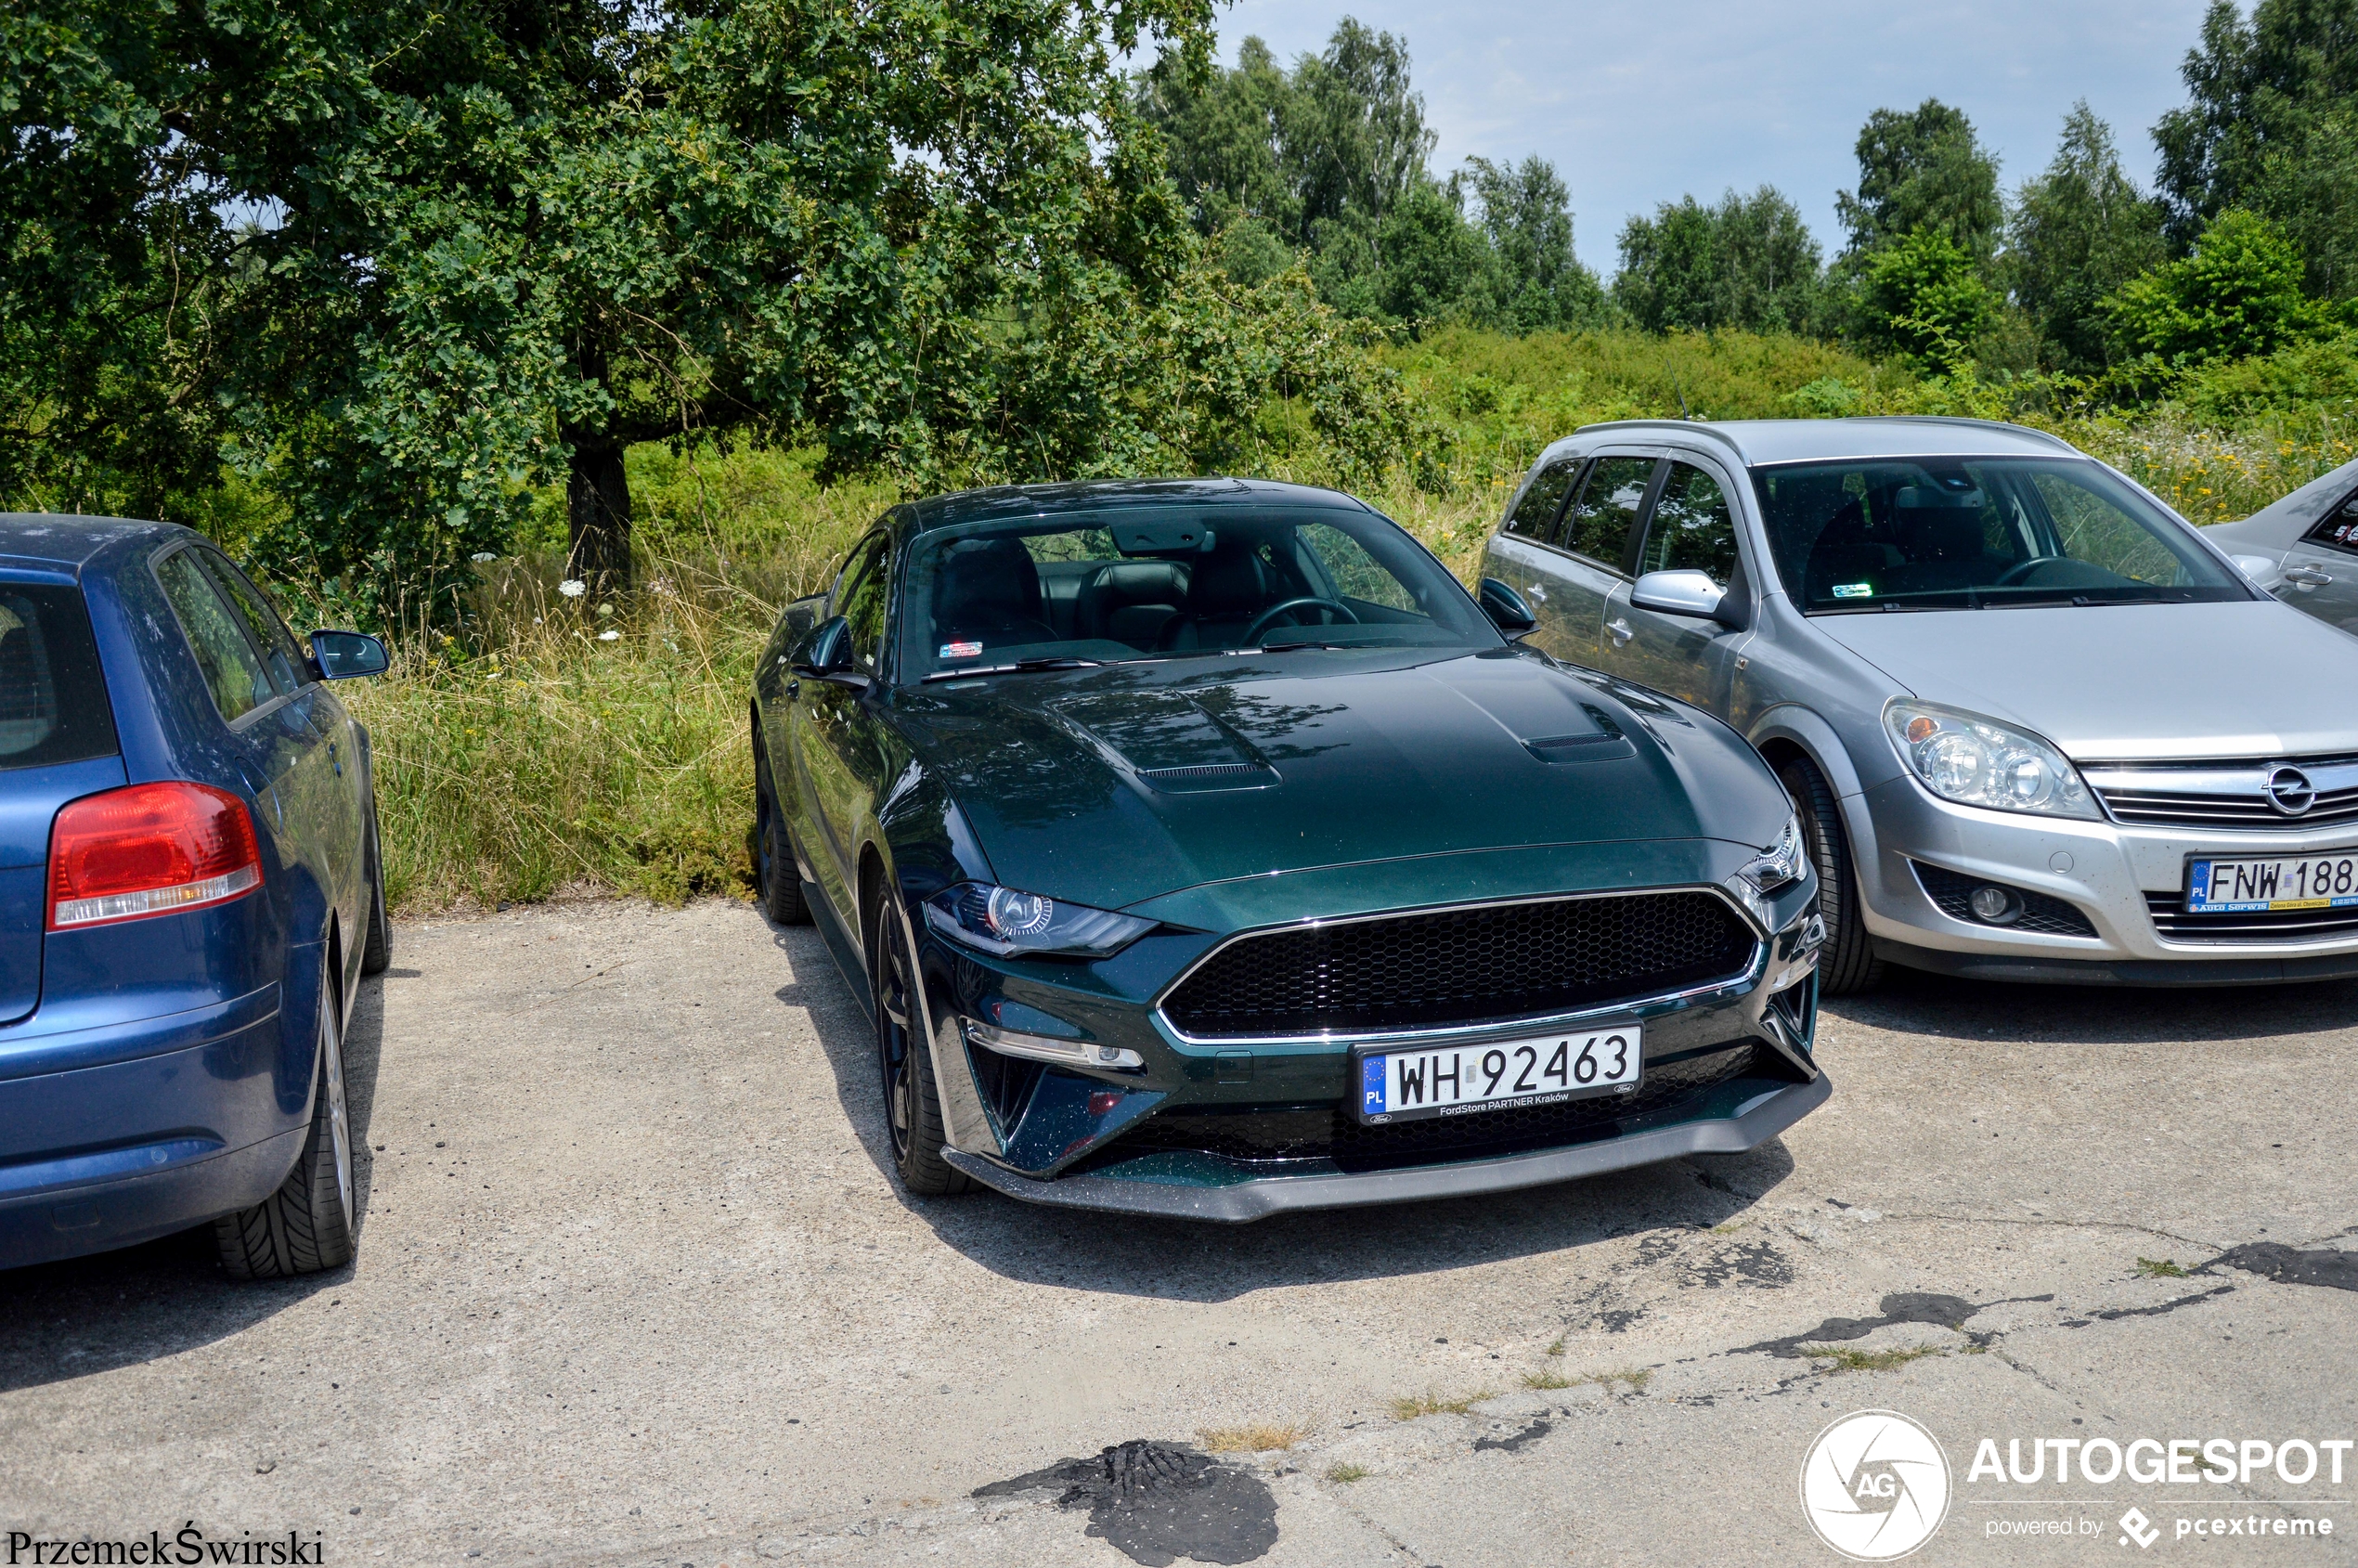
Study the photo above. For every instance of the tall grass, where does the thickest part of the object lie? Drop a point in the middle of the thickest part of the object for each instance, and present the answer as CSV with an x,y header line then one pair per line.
x,y
540,743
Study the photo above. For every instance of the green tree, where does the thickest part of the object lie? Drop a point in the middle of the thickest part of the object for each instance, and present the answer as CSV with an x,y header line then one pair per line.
x,y
2256,89
2080,232
1923,296
2310,189
2239,293
1531,279
1923,169
1748,263
505,241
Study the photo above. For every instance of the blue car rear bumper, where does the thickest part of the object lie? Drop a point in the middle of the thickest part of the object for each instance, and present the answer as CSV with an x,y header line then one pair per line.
x,y
179,1118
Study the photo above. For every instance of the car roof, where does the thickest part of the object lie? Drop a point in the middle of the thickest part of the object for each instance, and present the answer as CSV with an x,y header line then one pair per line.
x,y
1107,495
1754,442
61,539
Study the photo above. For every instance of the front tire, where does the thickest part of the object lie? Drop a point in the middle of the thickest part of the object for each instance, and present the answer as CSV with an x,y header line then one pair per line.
x,y
1850,964
306,1225
912,1100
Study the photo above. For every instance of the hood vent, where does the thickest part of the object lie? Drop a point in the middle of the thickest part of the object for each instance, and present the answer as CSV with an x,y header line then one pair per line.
x,y
1206,776
1581,748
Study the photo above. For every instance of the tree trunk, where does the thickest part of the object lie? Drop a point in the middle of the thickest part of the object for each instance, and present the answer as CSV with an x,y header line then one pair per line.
x,y
597,513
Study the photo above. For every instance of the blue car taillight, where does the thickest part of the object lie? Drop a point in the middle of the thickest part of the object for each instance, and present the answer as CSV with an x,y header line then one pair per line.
x,y
147,849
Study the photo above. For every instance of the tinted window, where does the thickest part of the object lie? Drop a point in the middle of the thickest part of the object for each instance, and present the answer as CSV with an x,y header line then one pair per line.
x,y
1691,528
231,667
53,700
268,632
861,599
2339,528
1951,532
1534,514
1601,520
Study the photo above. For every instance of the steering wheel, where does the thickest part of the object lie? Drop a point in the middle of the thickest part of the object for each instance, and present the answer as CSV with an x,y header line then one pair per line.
x,y
2022,569
1260,622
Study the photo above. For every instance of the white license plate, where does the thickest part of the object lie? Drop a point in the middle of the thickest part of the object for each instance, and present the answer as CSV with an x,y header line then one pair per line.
x,y
2328,881
1409,1084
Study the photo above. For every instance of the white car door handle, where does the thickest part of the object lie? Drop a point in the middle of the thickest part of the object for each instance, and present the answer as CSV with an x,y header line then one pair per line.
x,y
2308,576
1622,631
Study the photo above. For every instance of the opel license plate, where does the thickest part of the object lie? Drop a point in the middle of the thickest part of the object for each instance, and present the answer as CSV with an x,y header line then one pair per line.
x,y
2328,881
1411,1084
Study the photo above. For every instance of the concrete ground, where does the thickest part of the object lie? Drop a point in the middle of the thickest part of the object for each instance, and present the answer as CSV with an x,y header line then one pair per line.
x,y
635,1287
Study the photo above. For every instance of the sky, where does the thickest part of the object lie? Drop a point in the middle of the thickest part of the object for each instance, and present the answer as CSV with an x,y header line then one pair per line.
x,y
1637,102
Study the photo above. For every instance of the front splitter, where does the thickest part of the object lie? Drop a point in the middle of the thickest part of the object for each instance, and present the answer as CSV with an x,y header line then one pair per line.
x,y
1240,1202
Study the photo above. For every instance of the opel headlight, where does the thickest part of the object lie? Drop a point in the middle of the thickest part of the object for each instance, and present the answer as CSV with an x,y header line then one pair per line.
x,y
1007,921
1978,761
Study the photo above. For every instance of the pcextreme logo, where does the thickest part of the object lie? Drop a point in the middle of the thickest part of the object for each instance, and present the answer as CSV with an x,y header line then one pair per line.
x,y
1874,1486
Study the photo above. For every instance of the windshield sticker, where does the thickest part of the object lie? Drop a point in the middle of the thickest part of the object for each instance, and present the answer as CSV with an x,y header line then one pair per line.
x,y
960,650
1854,590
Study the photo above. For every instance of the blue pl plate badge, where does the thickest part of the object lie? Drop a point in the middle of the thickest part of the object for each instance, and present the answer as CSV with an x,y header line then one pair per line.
x,y
1371,1070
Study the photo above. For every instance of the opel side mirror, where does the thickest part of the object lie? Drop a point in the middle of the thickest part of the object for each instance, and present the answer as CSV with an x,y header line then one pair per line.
x,y
340,655
1506,609
1681,592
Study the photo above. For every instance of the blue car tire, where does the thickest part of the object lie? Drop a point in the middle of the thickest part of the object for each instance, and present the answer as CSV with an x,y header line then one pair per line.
x,y
306,1225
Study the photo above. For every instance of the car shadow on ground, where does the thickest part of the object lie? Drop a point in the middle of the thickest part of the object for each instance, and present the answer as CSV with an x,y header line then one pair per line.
x,y
81,1316
1181,1260
1940,1007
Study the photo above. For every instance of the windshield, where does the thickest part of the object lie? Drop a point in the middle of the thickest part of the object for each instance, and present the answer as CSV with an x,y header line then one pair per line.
x,y
1165,582
1969,533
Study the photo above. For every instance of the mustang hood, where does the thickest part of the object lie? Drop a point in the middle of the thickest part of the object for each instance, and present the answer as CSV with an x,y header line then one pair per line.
x,y
2129,682
1113,786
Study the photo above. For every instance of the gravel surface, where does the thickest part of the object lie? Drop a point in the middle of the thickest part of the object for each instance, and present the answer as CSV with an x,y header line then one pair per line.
x,y
636,1288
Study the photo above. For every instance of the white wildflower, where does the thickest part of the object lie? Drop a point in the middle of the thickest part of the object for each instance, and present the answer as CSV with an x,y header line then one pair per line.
x,y
572,587
609,637
480,556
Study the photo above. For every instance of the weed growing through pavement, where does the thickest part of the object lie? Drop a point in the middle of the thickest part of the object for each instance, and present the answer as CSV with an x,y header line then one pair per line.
x,y
1545,1381
1254,1437
1345,1475
1558,1348
1429,1403
1848,1359
2159,1268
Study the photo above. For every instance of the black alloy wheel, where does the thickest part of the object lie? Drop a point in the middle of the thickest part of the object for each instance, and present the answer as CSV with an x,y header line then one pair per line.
x,y
775,875
913,1102
1850,964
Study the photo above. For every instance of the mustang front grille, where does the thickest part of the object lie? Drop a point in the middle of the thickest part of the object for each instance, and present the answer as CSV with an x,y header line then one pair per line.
x,y
1477,965
2232,794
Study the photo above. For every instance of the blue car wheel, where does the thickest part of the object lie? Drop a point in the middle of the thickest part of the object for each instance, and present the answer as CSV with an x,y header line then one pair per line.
x,y
306,1225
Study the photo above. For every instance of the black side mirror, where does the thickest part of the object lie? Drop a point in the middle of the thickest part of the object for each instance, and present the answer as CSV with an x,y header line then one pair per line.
x,y
1506,609
827,651
340,655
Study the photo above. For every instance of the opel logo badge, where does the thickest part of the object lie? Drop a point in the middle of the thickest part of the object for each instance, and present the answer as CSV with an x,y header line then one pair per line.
x,y
2290,791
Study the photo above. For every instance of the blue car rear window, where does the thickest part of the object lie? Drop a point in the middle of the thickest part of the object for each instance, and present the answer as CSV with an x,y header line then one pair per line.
x,y
53,699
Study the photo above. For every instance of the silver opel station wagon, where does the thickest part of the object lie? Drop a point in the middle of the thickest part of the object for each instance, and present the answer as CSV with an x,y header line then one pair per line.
x,y
2036,726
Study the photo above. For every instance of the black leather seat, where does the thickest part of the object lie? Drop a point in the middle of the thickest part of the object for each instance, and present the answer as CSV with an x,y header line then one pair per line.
x,y
1227,589
1944,548
1845,552
989,592
1130,601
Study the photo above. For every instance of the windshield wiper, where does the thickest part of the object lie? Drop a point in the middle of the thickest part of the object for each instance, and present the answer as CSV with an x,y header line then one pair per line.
x,y
1020,667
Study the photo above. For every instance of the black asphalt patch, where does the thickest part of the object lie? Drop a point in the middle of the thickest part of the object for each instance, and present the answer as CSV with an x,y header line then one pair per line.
x,y
1531,1433
1157,1502
1900,1306
2290,1265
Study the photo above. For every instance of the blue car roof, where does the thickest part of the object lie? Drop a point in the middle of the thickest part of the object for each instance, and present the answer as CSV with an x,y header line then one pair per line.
x,y
56,539
1101,495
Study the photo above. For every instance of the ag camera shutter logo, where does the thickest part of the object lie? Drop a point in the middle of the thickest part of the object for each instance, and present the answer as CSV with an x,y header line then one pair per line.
x,y
1874,1486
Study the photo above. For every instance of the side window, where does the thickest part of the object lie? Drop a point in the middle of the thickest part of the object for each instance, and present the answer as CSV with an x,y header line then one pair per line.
x,y
2339,528
862,598
1534,514
231,667
1600,522
280,655
1692,529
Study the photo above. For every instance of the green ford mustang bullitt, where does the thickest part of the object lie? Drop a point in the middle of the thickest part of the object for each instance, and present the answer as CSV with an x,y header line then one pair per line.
x,y
1202,848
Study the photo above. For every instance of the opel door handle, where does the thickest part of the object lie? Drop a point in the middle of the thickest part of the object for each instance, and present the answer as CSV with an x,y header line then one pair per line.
x,y
2308,576
1622,632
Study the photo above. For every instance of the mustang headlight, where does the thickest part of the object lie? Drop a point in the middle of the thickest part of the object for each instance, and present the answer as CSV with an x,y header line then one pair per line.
x,y
1978,761
1006,921
1778,866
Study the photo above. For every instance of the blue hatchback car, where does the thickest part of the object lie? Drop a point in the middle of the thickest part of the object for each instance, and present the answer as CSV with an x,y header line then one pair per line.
x,y
189,894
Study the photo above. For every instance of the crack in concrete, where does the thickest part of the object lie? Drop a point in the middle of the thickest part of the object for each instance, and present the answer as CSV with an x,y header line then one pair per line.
x,y
1900,1306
